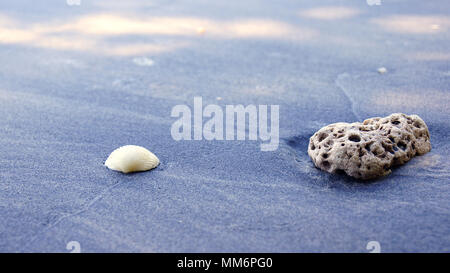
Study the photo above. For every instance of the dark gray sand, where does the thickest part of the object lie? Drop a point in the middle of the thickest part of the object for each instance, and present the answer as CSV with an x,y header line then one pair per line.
x,y
77,82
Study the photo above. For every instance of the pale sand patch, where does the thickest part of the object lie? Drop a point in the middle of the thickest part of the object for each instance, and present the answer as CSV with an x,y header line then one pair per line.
x,y
330,13
413,24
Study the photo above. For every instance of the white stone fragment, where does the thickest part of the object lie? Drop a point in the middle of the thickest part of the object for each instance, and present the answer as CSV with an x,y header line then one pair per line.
x,y
382,70
143,61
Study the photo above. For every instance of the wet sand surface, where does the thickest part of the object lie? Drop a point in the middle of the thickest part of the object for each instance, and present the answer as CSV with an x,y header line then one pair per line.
x,y
76,82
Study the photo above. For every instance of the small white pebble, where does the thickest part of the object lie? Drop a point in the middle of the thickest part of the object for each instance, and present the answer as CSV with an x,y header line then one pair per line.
x,y
143,61
382,70
131,158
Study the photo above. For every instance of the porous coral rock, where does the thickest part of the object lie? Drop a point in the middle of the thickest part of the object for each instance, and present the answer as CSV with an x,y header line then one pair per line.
x,y
369,150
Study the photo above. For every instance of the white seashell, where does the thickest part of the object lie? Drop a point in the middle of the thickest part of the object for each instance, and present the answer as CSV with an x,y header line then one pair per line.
x,y
131,158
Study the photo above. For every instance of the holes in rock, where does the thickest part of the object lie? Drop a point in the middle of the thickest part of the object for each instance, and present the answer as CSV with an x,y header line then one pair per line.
x,y
354,138
402,145
361,153
395,148
325,164
325,155
368,147
386,167
313,147
343,144
392,139
417,124
395,122
387,147
322,136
